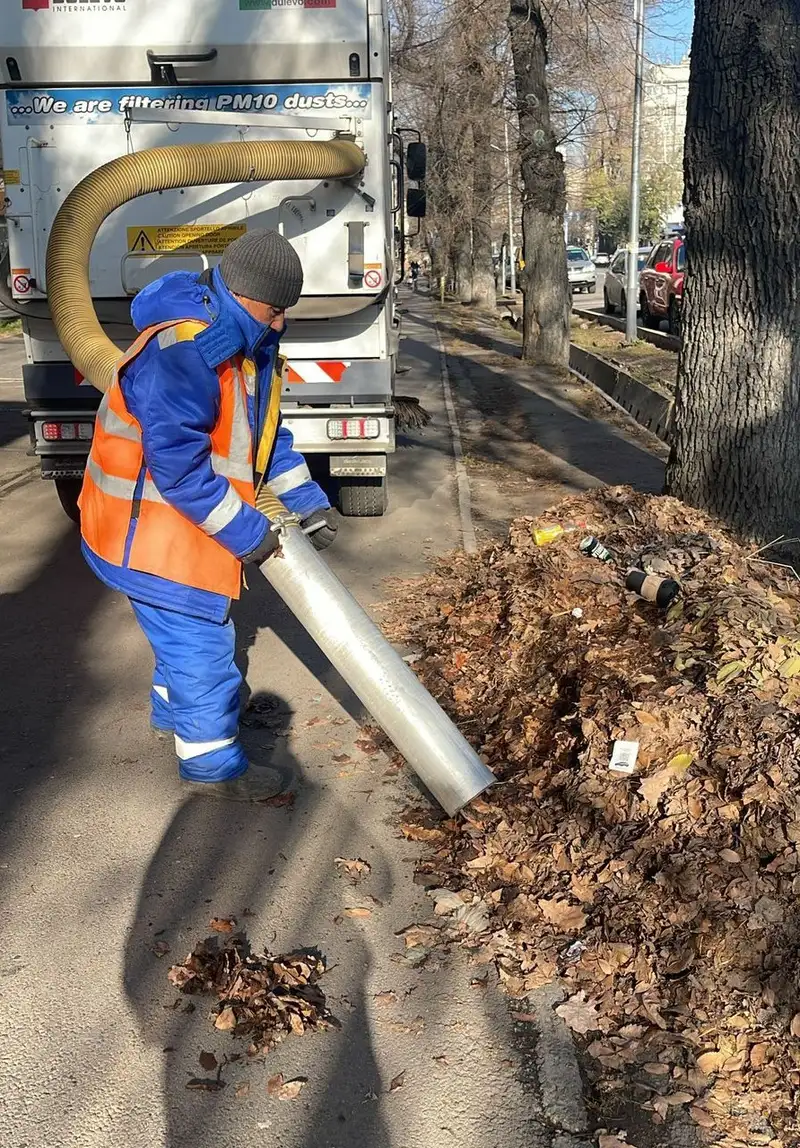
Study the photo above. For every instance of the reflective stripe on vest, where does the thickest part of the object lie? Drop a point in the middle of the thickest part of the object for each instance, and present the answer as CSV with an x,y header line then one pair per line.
x,y
118,489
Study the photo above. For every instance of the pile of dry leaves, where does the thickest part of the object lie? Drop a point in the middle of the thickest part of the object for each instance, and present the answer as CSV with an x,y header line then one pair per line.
x,y
260,997
668,898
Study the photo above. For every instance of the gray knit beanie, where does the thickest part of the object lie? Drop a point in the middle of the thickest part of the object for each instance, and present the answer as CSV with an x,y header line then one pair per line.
x,y
264,266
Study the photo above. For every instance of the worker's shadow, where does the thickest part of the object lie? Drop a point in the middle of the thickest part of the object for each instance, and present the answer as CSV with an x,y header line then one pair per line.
x,y
268,868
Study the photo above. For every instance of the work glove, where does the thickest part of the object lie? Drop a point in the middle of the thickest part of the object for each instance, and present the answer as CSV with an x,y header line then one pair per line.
x,y
320,528
268,545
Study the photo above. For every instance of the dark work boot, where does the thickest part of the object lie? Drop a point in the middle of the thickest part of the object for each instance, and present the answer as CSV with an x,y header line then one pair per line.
x,y
259,783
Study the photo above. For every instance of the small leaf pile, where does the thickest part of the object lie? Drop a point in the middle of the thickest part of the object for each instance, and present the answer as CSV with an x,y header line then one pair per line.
x,y
667,898
261,997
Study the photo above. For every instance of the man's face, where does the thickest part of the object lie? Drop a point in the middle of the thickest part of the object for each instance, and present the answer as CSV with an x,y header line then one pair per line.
x,y
264,313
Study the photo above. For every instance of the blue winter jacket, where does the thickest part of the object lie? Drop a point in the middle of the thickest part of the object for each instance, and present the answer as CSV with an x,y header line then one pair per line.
x,y
173,393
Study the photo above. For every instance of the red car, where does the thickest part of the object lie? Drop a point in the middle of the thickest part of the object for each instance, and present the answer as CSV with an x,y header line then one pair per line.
x,y
661,284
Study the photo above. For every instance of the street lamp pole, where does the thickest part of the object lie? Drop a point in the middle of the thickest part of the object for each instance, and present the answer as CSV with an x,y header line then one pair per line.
x,y
512,248
631,287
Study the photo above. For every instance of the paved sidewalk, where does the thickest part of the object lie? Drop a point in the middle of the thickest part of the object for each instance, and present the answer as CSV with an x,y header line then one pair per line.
x,y
534,433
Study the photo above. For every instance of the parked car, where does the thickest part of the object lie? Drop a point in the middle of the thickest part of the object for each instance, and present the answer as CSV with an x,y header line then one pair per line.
x,y
580,270
661,284
601,259
615,286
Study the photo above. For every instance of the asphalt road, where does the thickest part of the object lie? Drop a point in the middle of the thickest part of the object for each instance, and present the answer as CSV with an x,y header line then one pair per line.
x,y
594,300
103,859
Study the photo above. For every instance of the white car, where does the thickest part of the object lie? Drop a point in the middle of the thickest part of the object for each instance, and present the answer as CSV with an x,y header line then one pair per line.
x,y
580,270
615,286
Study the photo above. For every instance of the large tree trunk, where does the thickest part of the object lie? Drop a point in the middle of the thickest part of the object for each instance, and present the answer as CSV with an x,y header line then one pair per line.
x,y
546,297
462,265
737,417
484,292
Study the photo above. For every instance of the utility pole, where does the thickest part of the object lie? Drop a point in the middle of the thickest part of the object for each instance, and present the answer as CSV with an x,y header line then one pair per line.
x,y
631,286
512,247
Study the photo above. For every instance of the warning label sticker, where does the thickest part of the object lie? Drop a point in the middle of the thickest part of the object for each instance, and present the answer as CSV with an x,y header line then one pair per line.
x,y
204,237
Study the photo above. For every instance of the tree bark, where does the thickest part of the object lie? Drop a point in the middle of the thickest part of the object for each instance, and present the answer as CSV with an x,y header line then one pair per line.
x,y
484,292
462,265
546,296
737,416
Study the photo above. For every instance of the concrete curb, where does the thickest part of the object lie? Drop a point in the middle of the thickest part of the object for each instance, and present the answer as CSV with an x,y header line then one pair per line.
x,y
647,406
647,334
560,1079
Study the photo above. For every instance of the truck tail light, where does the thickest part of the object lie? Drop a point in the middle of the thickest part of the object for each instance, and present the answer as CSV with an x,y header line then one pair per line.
x,y
67,432
353,428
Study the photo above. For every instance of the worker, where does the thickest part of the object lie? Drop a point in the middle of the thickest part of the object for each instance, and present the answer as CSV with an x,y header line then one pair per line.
x,y
183,438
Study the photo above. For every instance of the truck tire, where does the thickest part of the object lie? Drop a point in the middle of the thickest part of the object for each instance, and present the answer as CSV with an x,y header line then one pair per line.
x,y
675,318
648,319
68,490
363,497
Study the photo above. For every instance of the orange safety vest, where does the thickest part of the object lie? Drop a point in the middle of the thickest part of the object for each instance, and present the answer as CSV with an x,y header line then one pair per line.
x,y
165,542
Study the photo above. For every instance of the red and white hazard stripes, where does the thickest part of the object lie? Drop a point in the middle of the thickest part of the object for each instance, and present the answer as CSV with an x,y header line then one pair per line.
x,y
314,372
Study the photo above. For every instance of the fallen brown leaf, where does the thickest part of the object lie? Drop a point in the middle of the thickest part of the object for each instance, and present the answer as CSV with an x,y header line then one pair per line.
x,y
568,918
222,924
208,1061
388,997
358,911
225,1020
242,1090
711,1062
355,868
285,1089
160,948
580,1015
397,1082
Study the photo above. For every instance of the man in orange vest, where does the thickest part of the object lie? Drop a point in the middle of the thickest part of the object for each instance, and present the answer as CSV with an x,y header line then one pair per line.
x,y
183,438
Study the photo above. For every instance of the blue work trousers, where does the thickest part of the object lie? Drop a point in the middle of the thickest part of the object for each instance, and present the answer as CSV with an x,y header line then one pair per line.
x,y
195,693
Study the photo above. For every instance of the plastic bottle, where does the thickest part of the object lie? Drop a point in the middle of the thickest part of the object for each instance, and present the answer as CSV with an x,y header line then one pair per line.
x,y
542,535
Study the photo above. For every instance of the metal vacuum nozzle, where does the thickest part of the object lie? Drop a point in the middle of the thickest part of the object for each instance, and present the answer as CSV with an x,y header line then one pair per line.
x,y
400,704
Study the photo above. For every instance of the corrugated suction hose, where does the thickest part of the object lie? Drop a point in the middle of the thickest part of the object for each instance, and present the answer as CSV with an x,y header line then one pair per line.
x,y
159,169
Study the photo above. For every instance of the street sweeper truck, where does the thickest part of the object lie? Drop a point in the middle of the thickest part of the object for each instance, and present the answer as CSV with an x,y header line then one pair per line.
x,y
299,87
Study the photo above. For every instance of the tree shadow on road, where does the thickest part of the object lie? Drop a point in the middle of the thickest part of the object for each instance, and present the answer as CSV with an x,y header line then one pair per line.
x,y
13,424
260,866
536,430
46,681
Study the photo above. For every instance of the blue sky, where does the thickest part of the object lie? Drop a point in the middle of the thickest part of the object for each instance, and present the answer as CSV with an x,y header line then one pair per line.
x,y
669,24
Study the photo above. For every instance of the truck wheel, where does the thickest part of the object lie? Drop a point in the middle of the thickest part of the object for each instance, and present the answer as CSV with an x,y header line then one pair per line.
x,y
68,490
647,318
363,497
